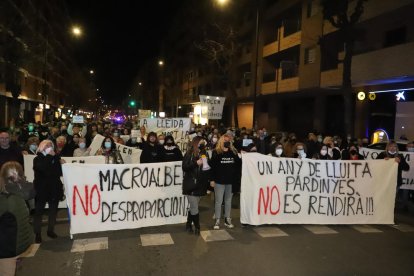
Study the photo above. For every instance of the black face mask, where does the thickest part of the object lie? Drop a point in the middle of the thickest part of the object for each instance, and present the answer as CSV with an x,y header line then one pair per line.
x,y
226,145
169,144
353,152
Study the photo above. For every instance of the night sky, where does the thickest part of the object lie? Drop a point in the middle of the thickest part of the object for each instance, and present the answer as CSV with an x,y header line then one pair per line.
x,y
118,37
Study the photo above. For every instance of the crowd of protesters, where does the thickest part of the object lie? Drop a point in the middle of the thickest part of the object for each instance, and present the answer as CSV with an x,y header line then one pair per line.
x,y
211,163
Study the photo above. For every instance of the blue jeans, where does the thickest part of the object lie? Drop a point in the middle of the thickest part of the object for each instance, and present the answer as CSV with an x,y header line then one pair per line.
x,y
221,190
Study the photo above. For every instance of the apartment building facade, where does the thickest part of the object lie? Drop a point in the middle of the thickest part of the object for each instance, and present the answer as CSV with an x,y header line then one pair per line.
x,y
36,62
299,70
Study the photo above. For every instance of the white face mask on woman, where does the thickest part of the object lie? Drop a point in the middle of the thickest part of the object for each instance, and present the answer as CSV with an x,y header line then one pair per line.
x,y
279,152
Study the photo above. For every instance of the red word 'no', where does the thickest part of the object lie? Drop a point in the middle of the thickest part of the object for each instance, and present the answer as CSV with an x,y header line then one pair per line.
x,y
87,199
266,198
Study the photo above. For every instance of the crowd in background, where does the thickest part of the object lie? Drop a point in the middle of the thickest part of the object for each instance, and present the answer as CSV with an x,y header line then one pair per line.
x,y
211,163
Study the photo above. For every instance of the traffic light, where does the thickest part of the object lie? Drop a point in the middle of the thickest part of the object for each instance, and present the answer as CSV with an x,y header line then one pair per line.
x,y
132,103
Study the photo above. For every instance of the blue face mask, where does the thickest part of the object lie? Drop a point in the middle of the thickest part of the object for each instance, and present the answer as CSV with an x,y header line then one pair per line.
x,y
108,145
33,147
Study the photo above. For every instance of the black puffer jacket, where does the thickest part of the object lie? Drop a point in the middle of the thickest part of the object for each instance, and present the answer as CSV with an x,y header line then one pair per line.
x,y
16,234
195,180
47,172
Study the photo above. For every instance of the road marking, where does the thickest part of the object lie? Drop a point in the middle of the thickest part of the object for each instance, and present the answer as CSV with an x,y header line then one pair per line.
x,y
90,244
366,229
403,227
320,229
156,239
215,235
31,251
77,262
268,232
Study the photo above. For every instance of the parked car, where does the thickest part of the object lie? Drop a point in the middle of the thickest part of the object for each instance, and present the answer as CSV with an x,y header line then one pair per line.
x,y
402,145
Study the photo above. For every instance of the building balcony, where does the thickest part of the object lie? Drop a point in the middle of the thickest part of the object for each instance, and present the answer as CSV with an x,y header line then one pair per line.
x,y
290,41
270,49
268,88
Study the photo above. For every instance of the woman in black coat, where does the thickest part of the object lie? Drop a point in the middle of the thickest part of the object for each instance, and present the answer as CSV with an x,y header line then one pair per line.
x,y
171,150
195,180
47,172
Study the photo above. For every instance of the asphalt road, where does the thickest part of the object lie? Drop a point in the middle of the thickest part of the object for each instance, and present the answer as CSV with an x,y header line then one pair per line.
x,y
265,250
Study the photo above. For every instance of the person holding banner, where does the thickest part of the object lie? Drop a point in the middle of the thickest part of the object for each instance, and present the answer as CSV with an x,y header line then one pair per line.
x,y
108,149
352,153
391,151
195,180
226,175
48,186
278,150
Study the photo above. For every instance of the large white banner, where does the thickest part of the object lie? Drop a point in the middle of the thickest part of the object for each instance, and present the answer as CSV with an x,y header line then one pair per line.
x,y
28,163
407,177
113,197
293,191
178,128
212,106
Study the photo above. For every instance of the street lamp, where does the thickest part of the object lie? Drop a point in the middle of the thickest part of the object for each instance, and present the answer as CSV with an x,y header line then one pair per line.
x,y
161,63
222,3
91,72
77,31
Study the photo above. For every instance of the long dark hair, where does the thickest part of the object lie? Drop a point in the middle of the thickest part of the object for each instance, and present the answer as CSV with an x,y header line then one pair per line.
x,y
113,145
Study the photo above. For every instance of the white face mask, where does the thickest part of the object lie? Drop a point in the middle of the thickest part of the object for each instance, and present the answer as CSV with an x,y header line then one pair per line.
x,y
161,142
392,152
48,150
214,139
324,152
279,152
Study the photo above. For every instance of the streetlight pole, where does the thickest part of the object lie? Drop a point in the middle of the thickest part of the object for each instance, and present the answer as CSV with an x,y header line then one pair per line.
x,y
256,65
161,87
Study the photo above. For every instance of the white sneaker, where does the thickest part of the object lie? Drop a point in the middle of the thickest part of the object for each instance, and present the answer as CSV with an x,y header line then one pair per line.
x,y
227,223
217,225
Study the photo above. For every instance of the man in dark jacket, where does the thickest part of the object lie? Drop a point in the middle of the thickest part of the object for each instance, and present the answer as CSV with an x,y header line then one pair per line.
x,y
8,152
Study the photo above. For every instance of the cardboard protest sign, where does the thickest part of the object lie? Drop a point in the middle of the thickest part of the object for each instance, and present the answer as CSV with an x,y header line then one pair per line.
x,y
77,119
407,176
96,144
178,128
285,190
114,197
129,155
212,106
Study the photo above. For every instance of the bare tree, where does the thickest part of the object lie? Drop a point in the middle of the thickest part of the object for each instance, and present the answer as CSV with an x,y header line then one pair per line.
x,y
337,13
220,48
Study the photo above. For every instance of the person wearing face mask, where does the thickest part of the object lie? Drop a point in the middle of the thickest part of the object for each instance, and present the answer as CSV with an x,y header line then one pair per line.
x,y
391,152
289,145
133,142
16,235
352,153
171,150
213,141
312,145
31,145
333,151
323,154
117,138
277,150
300,151
81,150
152,152
225,176
62,149
196,178
48,186
410,146
261,144
109,150
161,139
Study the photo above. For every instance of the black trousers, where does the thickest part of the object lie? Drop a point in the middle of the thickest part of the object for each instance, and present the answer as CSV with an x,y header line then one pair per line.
x,y
39,210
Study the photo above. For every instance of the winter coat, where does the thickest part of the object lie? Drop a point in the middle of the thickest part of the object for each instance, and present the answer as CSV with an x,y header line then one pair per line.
x,y
47,172
16,234
226,169
195,179
402,166
151,153
172,154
